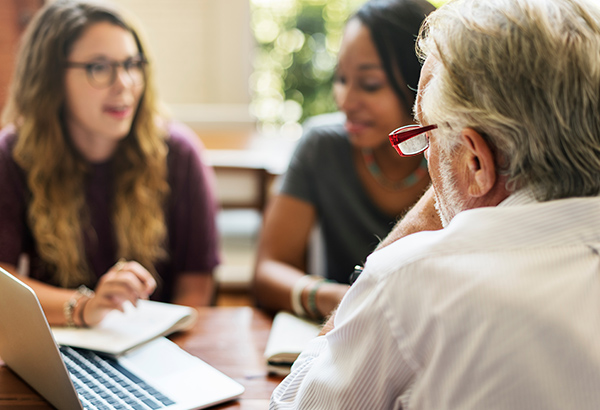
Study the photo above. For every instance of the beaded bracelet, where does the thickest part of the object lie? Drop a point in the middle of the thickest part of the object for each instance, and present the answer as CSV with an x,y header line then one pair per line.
x,y
71,304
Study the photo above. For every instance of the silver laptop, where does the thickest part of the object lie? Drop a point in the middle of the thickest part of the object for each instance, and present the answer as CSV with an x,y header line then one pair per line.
x,y
157,375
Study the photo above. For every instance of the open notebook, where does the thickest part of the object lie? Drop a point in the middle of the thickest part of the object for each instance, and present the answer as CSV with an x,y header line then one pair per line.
x,y
119,332
288,337
157,375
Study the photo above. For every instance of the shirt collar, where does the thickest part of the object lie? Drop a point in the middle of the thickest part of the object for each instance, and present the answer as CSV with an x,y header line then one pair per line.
x,y
521,197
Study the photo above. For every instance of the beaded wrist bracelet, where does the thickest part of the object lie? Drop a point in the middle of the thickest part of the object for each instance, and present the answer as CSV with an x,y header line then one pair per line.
x,y
71,304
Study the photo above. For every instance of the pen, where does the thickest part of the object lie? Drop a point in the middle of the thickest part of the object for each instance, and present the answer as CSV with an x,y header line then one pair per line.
x,y
356,273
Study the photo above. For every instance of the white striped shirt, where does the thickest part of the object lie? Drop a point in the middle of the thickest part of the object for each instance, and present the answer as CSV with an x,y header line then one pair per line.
x,y
499,310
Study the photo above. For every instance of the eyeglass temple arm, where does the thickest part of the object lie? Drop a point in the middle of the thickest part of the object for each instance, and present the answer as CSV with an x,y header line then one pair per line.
x,y
400,136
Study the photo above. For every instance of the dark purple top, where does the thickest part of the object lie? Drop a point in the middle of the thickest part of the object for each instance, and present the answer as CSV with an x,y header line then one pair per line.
x,y
193,244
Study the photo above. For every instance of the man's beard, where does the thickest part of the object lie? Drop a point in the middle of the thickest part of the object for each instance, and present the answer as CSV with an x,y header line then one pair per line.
x,y
447,198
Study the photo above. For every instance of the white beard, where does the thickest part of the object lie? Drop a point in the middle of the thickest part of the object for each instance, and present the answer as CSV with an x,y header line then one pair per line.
x,y
447,197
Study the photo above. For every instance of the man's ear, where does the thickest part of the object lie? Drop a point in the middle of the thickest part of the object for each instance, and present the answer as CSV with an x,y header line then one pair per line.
x,y
480,167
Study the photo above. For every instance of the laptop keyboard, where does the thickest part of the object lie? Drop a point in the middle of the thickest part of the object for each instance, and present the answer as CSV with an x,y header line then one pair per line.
x,y
102,383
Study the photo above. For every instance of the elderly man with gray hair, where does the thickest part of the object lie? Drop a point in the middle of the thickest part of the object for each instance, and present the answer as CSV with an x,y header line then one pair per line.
x,y
500,309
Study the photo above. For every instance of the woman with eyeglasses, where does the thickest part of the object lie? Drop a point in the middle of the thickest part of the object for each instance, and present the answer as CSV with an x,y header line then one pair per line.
x,y
345,176
98,190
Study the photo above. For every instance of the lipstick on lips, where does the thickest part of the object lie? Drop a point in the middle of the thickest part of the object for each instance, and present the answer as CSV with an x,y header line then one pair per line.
x,y
119,112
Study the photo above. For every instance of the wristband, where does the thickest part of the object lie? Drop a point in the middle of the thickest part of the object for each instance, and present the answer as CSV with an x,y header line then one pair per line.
x,y
312,299
296,295
69,306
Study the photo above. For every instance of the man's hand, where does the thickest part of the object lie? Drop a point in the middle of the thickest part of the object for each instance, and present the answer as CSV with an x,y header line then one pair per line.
x,y
328,326
422,217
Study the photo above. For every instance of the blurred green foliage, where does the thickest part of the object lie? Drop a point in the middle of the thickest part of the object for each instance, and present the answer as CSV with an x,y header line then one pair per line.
x,y
438,3
297,44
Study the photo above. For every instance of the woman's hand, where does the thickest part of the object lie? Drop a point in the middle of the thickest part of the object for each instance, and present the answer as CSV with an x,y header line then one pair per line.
x,y
125,281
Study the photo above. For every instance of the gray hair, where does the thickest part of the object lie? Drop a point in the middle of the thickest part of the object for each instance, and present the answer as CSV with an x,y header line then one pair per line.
x,y
526,75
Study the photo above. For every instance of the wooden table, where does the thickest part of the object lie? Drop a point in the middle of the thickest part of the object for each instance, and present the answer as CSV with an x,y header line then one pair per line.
x,y
231,339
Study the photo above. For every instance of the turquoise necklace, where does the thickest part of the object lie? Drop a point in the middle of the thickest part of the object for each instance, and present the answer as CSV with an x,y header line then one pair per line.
x,y
406,182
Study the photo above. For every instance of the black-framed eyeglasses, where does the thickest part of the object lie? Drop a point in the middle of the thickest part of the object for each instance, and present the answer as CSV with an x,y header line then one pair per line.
x,y
411,139
103,74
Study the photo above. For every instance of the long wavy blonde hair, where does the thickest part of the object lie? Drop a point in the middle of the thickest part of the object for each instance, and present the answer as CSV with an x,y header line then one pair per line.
x,y
57,212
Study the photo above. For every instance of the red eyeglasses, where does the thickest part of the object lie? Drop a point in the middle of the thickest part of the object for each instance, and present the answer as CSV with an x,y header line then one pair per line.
x,y
411,139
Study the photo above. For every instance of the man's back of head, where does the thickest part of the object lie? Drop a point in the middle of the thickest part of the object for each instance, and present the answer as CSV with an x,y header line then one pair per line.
x,y
525,74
